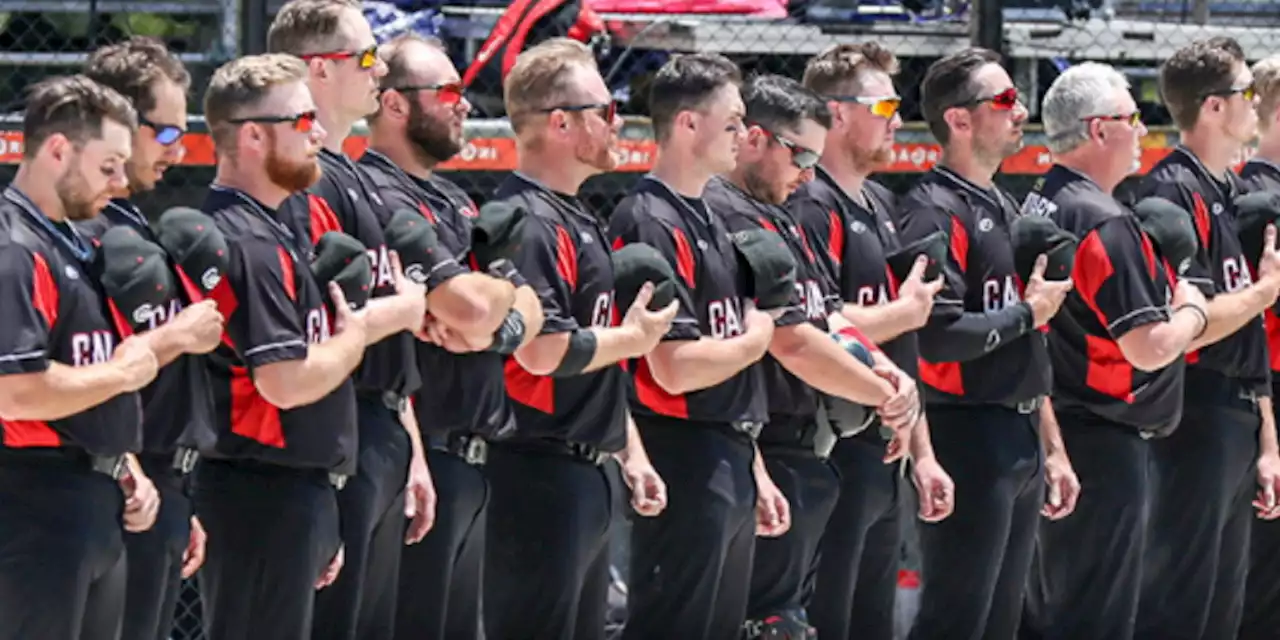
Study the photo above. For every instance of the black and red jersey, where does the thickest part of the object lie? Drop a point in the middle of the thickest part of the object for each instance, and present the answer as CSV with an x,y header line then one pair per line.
x,y
1182,179
693,238
813,301
344,199
1260,174
851,237
274,310
565,257
54,311
965,356
1120,285
177,408
460,393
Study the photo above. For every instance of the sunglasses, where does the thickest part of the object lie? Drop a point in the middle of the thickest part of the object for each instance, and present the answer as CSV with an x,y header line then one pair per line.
x,y
448,93
302,122
1133,119
608,109
802,157
885,107
1004,101
366,58
166,134
1248,92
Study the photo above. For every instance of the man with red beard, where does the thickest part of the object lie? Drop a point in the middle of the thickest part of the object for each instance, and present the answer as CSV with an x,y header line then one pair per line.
x,y
417,126
547,553
984,361
786,132
177,408
847,218
286,406
66,379
392,480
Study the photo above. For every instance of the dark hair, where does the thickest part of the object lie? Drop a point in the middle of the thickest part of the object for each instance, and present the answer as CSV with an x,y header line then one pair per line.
x,y
838,70
949,83
777,102
134,66
685,83
1195,72
73,106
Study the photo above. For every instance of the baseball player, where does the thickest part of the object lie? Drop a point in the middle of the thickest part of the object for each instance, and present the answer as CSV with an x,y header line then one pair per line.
x,y
67,391
1224,448
1262,173
547,557
392,479
984,361
786,132
847,220
1116,348
475,318
267,492
698,398
177,407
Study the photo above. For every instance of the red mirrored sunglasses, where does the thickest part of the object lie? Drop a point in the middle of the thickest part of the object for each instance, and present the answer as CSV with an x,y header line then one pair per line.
x,y
302,122
448,93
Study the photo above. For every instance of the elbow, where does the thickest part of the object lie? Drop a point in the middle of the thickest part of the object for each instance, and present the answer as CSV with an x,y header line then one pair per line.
x,y
464,305
788,344
280,396
667,376
538,359
1150,358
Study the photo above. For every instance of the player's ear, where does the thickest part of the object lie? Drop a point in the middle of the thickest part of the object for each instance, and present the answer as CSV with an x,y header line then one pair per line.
x,y
958,119
687,120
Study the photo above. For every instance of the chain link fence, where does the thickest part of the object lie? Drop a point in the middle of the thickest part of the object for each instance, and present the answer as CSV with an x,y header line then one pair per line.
x,y
1041,38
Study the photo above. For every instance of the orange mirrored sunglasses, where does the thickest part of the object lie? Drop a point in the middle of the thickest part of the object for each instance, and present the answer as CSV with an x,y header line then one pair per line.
x,y
366,58
884,106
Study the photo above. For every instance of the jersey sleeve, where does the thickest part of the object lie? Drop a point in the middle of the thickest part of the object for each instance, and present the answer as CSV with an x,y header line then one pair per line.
x,y
265,326
1200,271
548,260
28,309
1113,275
627,226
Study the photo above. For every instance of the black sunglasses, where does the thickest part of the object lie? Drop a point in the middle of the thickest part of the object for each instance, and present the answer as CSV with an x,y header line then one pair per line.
x,y
803,157
609,109
166,134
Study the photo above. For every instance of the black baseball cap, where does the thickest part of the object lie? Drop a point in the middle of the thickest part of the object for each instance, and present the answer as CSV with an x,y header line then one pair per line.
x,y
850,415
1033,235
933,246
1254,211
411,235
342,259
636,264
136,277
497,232
768,266
1169,228
196,246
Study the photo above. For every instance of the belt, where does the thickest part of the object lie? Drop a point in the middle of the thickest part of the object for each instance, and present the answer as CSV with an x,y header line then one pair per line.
x,y
751,428
470,447
794,436
575,450
184,460
110,466
1026,407
338,480
389,399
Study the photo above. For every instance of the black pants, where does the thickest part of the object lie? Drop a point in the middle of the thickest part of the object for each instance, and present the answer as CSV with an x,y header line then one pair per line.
x,y
1198,544
857,569
272,532
691,565
361,603
62,564
975,563
1087,575
1261,618
440,577
155,556
783,568
547,547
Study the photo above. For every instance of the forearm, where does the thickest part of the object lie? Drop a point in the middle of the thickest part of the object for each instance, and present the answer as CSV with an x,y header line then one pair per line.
x,y
388,315
921,446
301,382
968,336
167,342
59,391
472,304
1267,443
1228,312
818,361
1050,432
409,420
634,451
689,365
881,323
1157,345
758,469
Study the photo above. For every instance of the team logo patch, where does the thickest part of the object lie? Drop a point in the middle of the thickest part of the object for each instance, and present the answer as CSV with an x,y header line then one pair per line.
x,y
416,273
986,224
210,278
142,315
1184,265
858,227
72,273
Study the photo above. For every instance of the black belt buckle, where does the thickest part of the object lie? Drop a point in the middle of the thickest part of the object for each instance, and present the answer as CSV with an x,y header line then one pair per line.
x,y
473,450
589,453
184,460
338,480
111,466
750,427
1250,396
1028,407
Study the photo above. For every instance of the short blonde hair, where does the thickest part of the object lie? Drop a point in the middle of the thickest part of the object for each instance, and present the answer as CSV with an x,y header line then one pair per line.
x,y
1266,78
541,76
303,27
240,86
